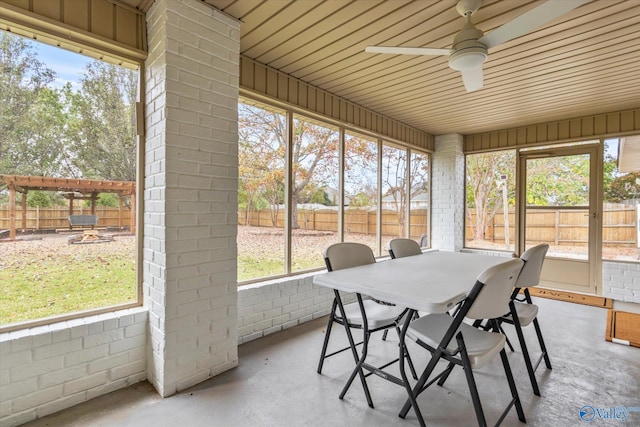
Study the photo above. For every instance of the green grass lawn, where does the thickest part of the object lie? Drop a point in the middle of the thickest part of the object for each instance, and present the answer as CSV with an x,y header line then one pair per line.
x,y
61,280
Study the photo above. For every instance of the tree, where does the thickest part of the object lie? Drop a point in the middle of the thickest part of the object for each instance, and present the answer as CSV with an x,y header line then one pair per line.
x,y
262,150
314,161
261,159
394,164
558,181
623,188
484,197
102,127
32,117
43,199
360,171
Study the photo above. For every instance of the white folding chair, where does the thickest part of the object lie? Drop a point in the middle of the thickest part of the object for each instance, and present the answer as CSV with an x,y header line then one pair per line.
x,y
526,311
379,316
448,338
400,248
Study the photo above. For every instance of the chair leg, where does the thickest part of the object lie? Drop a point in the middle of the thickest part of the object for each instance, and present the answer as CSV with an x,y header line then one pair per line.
x,y
543,347
446,373
326,336
473,389
417,389
506,337
414,374
512,386
525,354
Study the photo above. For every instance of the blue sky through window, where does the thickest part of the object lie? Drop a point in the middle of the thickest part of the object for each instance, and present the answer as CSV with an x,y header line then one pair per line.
x,y
68,66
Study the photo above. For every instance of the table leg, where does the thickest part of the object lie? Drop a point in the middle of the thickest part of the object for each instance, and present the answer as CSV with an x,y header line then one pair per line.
x,y
403,351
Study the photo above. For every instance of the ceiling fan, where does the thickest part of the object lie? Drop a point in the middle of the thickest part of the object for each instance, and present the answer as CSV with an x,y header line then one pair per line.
x,y
470,46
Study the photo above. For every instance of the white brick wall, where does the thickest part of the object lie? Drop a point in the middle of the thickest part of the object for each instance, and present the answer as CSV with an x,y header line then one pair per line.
x,y
49,368
271,307
191,170
621,281
447,193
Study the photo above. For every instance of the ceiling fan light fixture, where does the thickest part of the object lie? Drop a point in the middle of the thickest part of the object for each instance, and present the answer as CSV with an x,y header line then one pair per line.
x,y
468,59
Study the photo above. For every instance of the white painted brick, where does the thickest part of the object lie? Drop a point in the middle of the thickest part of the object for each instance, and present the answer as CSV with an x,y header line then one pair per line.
x,y
86,355
5,408
17,358
59,404
19,417
135,330
84,383
35,368
61,376
103,338
126,344
106,363
18,388
128,369
33,400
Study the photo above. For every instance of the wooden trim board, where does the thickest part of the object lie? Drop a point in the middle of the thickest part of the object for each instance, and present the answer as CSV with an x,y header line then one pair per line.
x,y
577,298
623,328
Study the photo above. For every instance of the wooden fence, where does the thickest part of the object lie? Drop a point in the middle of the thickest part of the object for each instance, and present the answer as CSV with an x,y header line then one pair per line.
x,y
57,217
556,227
357,221
566,227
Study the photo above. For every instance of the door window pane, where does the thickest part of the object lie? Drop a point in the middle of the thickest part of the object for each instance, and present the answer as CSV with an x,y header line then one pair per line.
x,y
490,200
557,204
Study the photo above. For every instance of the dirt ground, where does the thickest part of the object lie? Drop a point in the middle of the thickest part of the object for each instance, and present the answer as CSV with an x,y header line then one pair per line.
x,y
38,248
252,241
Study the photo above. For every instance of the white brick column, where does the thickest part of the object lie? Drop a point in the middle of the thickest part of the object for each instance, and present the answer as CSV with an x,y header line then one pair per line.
x,y
447,195
191,169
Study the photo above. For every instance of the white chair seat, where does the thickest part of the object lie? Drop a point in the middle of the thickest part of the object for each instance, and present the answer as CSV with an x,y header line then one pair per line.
x,y
378,315
481,345
526,312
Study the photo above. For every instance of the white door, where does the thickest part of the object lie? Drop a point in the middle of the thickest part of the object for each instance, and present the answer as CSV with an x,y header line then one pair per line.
x,y
559,187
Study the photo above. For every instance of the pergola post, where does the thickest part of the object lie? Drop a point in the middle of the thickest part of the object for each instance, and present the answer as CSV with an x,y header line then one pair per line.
x,y
93,202
120,211
12,212
24,210
71,195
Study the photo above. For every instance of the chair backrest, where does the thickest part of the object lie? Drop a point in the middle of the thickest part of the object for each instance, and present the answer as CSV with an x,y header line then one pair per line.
x,y
495,294
347,255
533,259
400,248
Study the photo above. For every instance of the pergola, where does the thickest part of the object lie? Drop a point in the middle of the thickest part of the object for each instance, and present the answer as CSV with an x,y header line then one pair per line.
x,y
88,188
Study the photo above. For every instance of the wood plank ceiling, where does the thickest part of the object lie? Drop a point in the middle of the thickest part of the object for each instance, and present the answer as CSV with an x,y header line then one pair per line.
x,y
585,62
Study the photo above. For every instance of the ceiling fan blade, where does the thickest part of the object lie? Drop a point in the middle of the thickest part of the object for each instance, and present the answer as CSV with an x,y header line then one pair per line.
x,y
526,22
407,50
473,79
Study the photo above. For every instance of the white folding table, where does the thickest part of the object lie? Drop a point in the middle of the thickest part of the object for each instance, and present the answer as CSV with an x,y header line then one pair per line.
x,y
433,282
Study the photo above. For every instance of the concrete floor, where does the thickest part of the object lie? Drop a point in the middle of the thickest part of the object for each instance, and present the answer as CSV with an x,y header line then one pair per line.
x,y
276,384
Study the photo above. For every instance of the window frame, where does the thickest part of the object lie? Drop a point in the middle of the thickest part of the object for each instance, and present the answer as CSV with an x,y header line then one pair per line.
x,y
343,129
134,62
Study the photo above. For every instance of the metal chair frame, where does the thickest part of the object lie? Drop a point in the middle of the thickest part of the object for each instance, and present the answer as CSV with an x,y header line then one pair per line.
x,y
459,357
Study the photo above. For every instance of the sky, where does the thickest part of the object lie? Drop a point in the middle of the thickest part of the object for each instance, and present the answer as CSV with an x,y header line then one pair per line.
x,y
69,66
